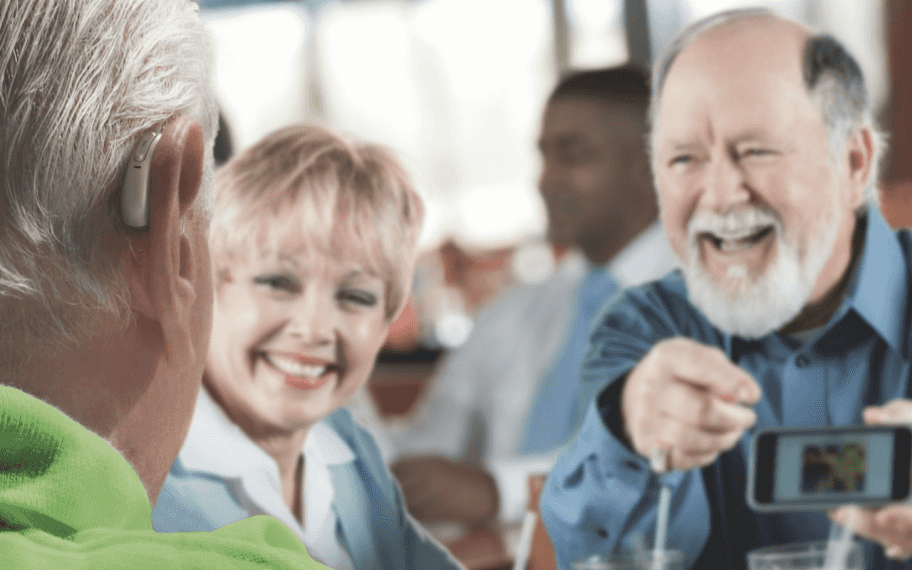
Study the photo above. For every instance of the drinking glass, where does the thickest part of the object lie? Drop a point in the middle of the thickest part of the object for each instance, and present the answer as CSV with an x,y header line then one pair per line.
x,y
645,560
803,556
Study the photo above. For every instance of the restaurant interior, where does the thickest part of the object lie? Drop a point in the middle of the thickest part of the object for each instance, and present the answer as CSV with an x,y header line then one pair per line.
x,y
456,88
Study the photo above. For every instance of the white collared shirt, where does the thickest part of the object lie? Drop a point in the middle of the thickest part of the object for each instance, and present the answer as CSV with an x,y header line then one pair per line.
x,y
217,446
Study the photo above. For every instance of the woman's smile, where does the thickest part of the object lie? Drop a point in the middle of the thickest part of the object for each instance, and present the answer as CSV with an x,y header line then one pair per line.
x,y
311,321
300,371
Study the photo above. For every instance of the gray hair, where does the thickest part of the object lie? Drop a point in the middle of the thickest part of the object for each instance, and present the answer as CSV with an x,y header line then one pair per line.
x,y
831,75
80,82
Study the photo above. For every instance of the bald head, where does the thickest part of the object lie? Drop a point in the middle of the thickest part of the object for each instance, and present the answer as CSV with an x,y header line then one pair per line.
x,y
766,47
769,47
729,20
739,65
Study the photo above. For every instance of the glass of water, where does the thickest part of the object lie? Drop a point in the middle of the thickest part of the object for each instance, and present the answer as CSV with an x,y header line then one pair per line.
x,y
645,560
805,556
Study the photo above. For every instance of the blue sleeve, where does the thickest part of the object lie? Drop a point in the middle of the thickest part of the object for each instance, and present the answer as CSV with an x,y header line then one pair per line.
x,y
601,496
192,503
632,323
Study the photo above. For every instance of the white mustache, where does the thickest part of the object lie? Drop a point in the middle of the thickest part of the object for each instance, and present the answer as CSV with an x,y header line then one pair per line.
x,y
736,223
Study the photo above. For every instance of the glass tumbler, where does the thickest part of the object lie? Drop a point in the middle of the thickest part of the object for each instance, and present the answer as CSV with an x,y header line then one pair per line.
x,y
804,556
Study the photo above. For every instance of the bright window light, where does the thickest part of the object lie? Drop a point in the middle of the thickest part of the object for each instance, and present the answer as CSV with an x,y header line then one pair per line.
x,y
456,87
597,36
367,78
260,68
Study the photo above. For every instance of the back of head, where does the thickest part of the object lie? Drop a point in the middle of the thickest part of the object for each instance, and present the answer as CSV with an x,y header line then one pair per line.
x,y
627,84
625,87
310,186
80,82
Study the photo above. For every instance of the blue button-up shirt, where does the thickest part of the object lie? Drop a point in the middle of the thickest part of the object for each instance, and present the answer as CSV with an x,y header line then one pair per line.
x,y
601,496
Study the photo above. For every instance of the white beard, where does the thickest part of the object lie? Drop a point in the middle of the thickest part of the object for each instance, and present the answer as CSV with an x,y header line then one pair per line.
x,y
754,307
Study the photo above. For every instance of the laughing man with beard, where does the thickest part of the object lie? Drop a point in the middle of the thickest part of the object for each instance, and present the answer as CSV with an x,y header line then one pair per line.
x,y
793,299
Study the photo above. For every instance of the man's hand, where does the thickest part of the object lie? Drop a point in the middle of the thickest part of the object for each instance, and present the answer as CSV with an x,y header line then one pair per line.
x,y
438,489
684,397
891,526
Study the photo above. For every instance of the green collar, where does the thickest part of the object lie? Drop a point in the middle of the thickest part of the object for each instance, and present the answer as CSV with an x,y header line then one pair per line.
x,y
57,476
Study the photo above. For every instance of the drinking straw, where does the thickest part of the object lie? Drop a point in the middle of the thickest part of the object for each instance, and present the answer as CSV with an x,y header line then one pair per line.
x,y
658,462
840,542
524,542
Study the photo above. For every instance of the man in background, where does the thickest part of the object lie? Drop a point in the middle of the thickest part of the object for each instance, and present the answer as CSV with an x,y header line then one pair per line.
x,y
792,307
104,321
513,385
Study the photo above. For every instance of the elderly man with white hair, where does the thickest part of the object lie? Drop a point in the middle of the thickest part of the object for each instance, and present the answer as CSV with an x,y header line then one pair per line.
x,y
793,298
105,318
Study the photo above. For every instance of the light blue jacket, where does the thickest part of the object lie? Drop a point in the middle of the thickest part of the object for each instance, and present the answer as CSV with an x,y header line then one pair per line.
x,y
372,522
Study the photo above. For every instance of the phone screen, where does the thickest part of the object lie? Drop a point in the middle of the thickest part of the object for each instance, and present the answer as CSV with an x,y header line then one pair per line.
x,y
830,466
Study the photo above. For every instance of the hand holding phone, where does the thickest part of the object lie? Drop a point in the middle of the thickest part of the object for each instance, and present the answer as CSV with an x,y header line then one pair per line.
x,y
800,469
891,525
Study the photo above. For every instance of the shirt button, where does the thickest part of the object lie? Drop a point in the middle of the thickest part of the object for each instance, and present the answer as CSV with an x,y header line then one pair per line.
x,y
632,465
602,533
802,361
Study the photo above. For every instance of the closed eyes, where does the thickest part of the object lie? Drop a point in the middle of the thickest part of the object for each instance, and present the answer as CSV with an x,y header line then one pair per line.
x,y
358,297
278,282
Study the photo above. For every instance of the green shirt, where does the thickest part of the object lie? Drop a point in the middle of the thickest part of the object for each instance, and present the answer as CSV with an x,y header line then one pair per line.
x,y
68,500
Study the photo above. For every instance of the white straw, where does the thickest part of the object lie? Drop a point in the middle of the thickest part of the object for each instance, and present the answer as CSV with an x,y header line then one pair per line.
x,y
840,543
662,519
524,542
658,461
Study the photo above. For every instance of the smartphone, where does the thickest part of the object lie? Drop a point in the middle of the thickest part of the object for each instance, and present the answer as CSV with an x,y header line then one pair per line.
x,y
806,469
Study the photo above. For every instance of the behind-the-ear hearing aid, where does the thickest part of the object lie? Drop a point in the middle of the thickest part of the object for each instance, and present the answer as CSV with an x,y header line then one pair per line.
x,y
135,196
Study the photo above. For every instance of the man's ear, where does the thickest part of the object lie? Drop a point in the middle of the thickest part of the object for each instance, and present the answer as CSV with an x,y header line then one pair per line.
x,y
164,264
860,156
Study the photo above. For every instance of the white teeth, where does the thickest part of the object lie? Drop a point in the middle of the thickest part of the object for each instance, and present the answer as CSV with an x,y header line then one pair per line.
x,y
740,241
734,236
728,245
292,367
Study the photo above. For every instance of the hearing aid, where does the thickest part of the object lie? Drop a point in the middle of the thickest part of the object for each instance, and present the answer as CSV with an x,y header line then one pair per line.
x,y
135,197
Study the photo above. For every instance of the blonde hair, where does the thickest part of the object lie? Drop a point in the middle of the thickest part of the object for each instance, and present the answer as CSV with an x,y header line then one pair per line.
x,y
307,183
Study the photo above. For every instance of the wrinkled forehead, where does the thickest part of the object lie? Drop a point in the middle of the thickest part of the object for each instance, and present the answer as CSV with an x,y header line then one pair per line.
x,y
750,69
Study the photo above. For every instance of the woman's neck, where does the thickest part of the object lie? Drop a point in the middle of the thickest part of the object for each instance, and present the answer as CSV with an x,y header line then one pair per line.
x,y
286,451
285,447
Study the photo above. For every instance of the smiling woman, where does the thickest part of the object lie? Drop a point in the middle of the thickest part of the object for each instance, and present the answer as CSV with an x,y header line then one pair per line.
x,y
313,244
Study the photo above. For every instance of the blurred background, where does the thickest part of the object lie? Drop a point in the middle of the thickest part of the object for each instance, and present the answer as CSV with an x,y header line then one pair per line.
x,y
457,87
